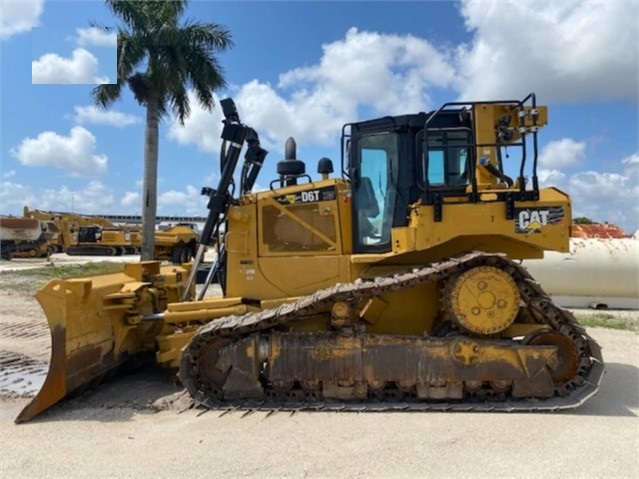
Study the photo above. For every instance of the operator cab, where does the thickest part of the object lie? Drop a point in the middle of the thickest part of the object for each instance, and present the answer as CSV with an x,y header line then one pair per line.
x,y
455,151
386,176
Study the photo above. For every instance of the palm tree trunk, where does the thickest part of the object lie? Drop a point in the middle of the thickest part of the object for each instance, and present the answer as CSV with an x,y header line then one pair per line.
x,y
149,196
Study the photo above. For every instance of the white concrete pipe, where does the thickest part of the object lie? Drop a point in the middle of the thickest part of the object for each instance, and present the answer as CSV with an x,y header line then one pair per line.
x,y
597,273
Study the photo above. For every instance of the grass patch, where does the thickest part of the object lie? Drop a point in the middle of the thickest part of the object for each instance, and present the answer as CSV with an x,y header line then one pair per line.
x,y
30,280
606,320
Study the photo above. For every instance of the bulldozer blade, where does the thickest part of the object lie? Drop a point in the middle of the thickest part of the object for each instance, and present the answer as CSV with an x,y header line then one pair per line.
x,y
55,384
94,330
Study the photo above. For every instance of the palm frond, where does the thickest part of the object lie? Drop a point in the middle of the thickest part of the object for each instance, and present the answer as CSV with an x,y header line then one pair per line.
x,y
131,12
208,35
139,85
173,70
170,11
179,101
131,53
106,94
204,68
160,58
204,94
100,27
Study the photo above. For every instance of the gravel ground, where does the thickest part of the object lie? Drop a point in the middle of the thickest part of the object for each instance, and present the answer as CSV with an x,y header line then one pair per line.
x,y
141,426
108,433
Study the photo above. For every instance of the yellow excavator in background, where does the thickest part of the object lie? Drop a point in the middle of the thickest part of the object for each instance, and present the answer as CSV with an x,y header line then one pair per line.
x,y
97,236
395,284
87,235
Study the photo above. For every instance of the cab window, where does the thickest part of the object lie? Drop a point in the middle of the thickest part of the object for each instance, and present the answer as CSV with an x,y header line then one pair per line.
x,y
448,157
375,192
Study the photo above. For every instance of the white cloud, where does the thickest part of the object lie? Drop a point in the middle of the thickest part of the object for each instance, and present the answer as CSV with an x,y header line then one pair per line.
x,y
599,195
131,199
187,202
312,103
393,80
549,176
172,202
306,117
202,128
562,153
504,60
81,68
95,37
608,196
18,16
631,160
604,187
94,198
564,51
74,154
9,174
14,196
92,114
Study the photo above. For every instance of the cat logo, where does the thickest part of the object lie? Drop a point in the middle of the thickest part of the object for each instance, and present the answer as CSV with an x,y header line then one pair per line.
x,y
531,220
290,199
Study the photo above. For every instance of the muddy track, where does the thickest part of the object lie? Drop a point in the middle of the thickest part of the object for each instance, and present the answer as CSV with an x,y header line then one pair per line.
x,y
20,375
25,341
28,330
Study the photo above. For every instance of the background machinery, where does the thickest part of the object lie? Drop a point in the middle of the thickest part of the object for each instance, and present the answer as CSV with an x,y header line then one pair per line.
x,y
396,284
177,243
97,236
87,235
22,237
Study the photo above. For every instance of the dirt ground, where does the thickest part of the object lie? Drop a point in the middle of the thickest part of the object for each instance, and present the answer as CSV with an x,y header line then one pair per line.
x,y
141,426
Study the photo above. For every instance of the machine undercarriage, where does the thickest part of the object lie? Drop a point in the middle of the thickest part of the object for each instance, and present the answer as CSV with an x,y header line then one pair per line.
x,y
542,360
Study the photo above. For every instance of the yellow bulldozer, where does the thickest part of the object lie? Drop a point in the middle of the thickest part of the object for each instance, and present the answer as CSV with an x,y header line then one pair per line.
x,y
395,284
23,237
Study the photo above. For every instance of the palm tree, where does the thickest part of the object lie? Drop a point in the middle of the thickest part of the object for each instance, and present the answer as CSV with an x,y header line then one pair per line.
x,y
159,58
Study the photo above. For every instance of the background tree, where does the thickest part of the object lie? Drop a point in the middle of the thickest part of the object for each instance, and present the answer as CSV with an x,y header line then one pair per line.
x,y
159,57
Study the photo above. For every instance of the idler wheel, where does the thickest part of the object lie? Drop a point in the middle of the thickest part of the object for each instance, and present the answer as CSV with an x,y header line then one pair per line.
x,y
212,371
483,300
567,354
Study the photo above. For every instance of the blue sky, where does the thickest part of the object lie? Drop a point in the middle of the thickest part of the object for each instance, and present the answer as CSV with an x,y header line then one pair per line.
x,y
303,69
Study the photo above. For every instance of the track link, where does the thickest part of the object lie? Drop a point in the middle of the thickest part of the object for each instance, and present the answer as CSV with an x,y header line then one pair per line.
x,y
224,331
93,251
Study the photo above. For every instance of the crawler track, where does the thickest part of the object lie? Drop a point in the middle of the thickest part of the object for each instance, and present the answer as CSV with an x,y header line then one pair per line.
x,y
95,250
569,394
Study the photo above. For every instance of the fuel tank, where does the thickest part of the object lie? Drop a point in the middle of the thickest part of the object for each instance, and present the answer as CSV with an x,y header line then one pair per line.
x,y
597,273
